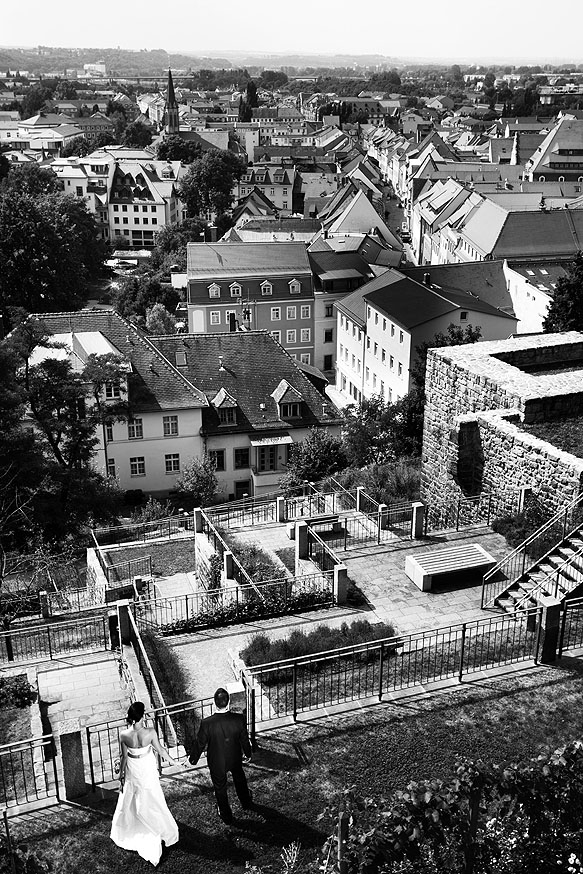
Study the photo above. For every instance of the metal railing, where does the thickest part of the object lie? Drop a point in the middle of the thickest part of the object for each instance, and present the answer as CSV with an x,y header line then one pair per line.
x,y
75,600
567,570
25,605
366,504
235,603
392,524
320,553
220,547
129,571
532,550
373,669
158,529
471,510
28,771
255,513
103,739
571,631
41,642
154,692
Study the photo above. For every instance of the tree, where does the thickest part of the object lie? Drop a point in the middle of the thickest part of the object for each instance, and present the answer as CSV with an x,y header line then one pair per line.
x,y
272,79
159,321
245,111
198,484
137,135
174,148
565,312
319,455
136,294
369,432
78,147
65,90
251,98
208,183
35,100
455,336
103,139
31,179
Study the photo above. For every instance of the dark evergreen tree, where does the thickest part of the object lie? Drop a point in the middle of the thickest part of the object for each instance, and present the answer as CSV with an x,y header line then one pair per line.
x,y
565,312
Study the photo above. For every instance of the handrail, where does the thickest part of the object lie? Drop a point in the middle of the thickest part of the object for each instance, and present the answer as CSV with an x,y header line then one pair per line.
x,y
557,571
236,561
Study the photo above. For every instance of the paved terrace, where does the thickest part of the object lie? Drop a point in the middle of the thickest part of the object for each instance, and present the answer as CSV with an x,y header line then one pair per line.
x,y
377,571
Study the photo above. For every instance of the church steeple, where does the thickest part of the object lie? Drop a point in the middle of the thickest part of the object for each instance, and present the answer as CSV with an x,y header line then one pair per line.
x,y
171,110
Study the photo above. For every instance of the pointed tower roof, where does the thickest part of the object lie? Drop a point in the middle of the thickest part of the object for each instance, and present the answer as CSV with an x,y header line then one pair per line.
x,y
170,95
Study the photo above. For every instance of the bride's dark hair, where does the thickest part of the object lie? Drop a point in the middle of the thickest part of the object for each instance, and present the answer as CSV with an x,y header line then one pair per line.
x,y
135,712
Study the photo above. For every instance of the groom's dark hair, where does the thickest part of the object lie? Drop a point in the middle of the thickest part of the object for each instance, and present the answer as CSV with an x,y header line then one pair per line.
x,y
221,698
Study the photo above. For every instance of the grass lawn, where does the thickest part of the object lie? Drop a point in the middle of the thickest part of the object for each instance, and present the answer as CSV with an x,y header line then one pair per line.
x,y
169,557
297,769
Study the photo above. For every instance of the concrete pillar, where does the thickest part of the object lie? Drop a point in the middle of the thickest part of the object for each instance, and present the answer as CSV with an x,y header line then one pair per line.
x,y
45,609
418,519
524,493
228,564
237,697
359,491
198,520
123,621
301,540
72,757
383,516
340,584
280,510
551,623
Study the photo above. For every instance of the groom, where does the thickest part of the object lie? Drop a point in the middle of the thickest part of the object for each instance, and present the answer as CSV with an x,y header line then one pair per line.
x,y
224,736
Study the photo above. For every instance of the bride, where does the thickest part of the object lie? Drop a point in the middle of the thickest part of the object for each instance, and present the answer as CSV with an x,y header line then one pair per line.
x,y
142,820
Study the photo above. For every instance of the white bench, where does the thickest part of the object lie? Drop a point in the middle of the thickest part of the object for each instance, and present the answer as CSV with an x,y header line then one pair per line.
x,y
423,567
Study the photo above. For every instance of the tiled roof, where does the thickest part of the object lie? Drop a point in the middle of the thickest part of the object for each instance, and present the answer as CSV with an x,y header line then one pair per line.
x,y
248,366
210,260
154,383
342,264
484,279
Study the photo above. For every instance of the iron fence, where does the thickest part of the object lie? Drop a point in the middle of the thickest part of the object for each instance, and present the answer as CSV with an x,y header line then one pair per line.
x,y
571,632
366,504
41,642
75,600
159,529
103,739
534,549
24,605
154,693
129,571
374,669
235,603
245,515
320,553
391,524
28,771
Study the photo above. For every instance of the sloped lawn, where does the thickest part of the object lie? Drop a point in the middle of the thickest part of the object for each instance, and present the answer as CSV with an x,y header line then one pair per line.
x,y
297,770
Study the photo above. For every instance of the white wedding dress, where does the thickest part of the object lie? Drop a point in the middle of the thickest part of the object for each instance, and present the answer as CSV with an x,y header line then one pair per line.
x,y
142,820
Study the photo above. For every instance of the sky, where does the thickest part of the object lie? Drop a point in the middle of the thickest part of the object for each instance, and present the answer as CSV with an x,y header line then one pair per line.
x,y
458,31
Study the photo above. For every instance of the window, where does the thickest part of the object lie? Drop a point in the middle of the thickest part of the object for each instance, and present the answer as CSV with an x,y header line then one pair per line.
x,y
111,467
125,221
368,312
276,335
124,209
112,390
290,313
295,287
116,208
290,411
172,462
358,365
79,190
266,288
241,458
214,290
180,359
306,312
267,458
135,429
284,206
305,357
136,208
154,221
170,426
383,355
376,350
275,314
374,380
329,335
227,416
305,335
366,374
463,316
400,336
217,457
290,336
376,318
391,362
392,330
327,362
382,389
138,466
235,289
353,362
109,431
116,221
384,324
215,317
144,209
368,342
400,369
329,311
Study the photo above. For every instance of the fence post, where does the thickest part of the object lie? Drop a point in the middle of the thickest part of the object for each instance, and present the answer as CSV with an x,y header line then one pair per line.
x,y
383,516
228,564
90,754
295,691
381,667
123,620
417,520
45,607
72,755
301,540
550,623
280,510
562,632
461,670
198,520
253,737
359,491
49,641
343,819
340,584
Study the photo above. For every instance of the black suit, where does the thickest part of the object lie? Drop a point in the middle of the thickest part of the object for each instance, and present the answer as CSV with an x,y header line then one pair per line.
x,y
225,738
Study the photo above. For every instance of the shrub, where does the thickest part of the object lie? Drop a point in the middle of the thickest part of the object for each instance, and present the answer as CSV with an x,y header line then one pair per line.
x,y
256,561
16,692
152,511
174,682
323,638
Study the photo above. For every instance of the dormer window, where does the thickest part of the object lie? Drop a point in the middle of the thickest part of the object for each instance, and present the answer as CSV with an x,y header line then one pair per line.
x,y
214,290
235,289
227,415
266,288
290,411
295,287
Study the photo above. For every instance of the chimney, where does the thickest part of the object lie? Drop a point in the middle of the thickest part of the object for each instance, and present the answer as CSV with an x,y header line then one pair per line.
x,y
427,279
213,233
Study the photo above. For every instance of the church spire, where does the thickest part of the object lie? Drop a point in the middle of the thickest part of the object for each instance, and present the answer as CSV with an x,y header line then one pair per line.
x,y
172,120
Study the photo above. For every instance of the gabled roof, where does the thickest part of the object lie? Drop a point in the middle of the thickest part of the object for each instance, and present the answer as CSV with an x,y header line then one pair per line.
x,y
213,260
285,393
328,264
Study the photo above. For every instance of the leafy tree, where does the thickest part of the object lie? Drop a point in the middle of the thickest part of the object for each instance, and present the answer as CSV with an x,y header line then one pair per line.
x,y
31,179
136,294
78,147
368,432
565,312
159,321
245,111
208,183
198,484
35,100
174,148
103,139
137,135
251,98
65,90
455,336
272,79
319,455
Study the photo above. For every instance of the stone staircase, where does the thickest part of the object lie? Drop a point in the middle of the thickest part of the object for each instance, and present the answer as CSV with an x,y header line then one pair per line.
x,y
558,574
